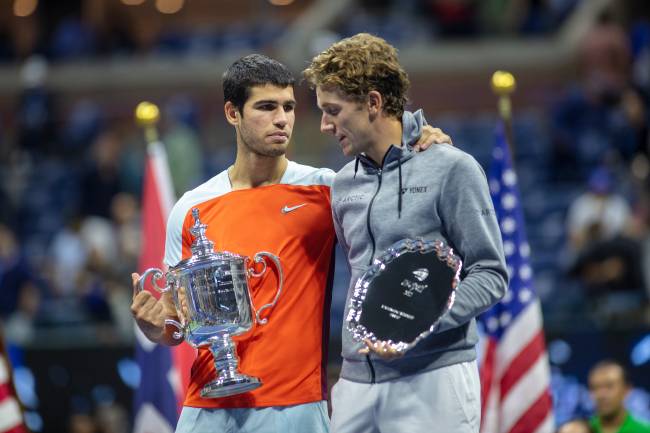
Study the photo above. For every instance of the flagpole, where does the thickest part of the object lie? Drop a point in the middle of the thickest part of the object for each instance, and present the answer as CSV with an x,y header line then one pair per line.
x,y
157,398
503,85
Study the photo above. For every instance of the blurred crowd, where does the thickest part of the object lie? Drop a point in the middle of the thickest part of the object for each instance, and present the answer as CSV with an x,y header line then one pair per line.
x,y
601,141
84,30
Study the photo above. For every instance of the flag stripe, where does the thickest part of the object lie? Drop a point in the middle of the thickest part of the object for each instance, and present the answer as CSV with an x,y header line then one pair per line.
x,y
163,177
490,418
548,425
519,366
487,372
523,329
10,414
535,416
525,393
5,390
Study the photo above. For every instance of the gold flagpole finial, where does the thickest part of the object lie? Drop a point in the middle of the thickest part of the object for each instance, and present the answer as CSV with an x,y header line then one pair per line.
x,y
503,85
147,116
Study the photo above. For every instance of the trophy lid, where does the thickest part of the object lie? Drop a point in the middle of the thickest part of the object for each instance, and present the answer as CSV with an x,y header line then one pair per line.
x,y
202,247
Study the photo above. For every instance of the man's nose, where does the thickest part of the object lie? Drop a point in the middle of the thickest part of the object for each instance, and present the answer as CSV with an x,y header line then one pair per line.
x,y
326,126
280,120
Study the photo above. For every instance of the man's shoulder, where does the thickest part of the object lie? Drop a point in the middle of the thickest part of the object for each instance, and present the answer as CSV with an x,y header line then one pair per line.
x,y
210,189
301,174
346,171
444,154
636,426
449,161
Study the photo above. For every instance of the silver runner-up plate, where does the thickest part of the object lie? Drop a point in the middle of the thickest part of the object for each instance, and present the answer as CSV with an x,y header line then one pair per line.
x,y
404,294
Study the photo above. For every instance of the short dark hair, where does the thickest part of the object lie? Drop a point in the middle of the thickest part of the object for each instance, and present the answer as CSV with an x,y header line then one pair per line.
x,y
612,363
253,70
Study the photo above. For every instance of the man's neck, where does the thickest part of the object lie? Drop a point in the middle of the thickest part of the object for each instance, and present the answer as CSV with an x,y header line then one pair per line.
x,y
613,423
251,170
388,130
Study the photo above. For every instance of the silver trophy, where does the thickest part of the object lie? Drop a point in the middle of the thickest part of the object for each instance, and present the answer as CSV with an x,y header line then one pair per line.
x,y
404,294
211,294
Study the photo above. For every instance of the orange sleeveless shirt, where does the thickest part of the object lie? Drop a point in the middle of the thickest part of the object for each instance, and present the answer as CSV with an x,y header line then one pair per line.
x,y
292,220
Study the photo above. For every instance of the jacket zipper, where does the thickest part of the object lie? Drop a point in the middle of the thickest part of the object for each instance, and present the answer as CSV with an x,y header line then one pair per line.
x,y
372,239
372,369
372,200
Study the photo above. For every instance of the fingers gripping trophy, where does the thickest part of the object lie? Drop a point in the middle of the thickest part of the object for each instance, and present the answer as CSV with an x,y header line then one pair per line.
x,y
211,294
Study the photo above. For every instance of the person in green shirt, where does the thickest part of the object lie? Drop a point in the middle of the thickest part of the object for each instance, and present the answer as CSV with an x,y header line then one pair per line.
x,y
609,385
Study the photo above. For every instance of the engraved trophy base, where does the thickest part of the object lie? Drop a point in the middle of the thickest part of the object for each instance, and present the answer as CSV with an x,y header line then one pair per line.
x,y
224,387
229,380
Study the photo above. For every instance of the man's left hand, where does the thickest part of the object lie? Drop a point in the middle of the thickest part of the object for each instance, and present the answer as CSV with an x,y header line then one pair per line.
x,y
381,348
431,135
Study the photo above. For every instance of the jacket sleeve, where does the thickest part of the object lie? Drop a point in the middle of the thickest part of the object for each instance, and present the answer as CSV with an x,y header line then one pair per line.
x,y
471,227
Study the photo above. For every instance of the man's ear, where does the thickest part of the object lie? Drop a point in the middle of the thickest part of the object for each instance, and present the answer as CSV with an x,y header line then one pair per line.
x,y
232,113
375,103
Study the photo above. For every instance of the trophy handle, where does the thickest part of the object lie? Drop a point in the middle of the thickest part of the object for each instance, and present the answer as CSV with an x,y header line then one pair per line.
x,y
259,258
156,274
179,333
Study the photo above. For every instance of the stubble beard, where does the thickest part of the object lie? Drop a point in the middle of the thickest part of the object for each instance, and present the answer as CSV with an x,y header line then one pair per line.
x,y
258,147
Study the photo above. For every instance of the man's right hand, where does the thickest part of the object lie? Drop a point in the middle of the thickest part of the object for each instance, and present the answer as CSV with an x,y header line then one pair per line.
x,y
150,314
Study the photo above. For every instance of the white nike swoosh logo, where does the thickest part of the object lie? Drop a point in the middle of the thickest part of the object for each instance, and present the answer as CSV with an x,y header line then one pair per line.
x,y
286,209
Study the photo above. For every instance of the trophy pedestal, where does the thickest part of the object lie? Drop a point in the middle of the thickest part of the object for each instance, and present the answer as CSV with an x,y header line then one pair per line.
x,y
229,380
230,386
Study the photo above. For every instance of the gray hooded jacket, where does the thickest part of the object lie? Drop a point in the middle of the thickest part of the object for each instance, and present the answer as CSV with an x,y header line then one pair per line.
x,y
439,193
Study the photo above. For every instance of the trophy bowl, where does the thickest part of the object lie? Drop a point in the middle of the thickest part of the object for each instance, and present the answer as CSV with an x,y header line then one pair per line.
x,y
212,297
402,297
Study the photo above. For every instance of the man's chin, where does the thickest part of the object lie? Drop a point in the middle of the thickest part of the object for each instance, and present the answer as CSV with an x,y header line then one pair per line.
x,y
349,152
271,151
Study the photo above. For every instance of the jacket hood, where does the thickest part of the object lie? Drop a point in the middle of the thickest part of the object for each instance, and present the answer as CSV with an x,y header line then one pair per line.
x,y
412,124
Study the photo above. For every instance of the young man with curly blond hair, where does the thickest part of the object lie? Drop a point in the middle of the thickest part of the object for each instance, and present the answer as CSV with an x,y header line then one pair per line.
x,y
389,193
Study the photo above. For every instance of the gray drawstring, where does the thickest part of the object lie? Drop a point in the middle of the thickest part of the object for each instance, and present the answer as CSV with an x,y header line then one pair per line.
x,y
399,193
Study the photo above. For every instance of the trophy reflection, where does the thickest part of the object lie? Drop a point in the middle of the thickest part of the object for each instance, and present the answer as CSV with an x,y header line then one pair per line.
x,y
211,293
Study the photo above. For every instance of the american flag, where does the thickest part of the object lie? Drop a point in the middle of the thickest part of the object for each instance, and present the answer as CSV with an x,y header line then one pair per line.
x,y
164,371
11,417
515,377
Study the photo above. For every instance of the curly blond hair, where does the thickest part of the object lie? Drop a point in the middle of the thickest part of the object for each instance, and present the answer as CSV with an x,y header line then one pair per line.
x,y
358,65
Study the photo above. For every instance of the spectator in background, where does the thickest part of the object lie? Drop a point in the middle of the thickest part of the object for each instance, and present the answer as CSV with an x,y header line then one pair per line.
x,y
600,117
20,294
457,18
598,214
101,181
575,426
609,385
35,110
606,260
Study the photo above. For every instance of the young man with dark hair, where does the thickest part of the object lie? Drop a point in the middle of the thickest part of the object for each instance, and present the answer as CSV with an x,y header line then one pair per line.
x,y
609,385
263,202
387,194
